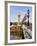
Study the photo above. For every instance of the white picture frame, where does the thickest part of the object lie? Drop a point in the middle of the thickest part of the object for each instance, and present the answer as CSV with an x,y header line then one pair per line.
x,y
7,22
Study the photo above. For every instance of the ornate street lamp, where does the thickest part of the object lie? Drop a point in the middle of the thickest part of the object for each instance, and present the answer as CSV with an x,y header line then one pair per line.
x,y
28,16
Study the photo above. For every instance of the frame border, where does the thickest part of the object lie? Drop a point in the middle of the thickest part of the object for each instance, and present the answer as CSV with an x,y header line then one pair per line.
x,y
6,20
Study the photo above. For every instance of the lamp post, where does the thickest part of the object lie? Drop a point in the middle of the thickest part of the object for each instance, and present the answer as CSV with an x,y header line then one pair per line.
x,y
28,16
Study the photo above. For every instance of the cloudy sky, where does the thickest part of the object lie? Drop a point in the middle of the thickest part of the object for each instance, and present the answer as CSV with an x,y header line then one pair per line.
x,y
22,10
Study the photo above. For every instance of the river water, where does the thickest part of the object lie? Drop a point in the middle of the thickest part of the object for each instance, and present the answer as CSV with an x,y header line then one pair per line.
x,y
15,37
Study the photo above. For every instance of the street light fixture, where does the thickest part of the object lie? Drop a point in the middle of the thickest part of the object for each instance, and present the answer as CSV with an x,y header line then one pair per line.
x,y
28,16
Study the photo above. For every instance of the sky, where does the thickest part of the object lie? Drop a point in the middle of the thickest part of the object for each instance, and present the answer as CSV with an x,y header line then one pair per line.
x,y
22,10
